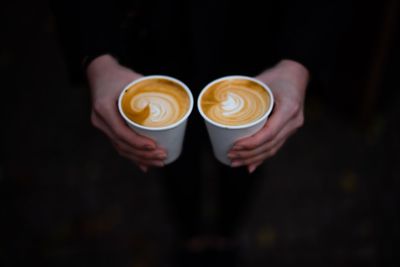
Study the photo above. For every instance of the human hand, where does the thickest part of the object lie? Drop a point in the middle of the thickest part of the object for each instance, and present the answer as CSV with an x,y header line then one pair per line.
x,y
106,79
288,82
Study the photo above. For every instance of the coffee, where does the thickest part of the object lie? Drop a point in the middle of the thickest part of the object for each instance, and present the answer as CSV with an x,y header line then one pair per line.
x,y
158,107
235,101
155,103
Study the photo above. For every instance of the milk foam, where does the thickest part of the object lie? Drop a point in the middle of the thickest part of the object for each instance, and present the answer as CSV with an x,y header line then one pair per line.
x,y
163,108
155,103
235,102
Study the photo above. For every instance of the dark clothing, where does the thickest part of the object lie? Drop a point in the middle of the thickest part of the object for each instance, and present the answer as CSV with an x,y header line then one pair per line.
x,y
196,42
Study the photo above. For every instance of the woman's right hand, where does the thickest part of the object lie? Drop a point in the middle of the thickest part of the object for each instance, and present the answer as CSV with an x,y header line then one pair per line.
x,y
106,79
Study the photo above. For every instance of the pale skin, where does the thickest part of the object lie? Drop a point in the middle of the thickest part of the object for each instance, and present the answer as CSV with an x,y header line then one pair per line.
x,y
287,80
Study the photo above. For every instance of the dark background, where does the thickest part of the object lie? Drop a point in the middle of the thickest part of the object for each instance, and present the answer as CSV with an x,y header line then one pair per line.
x,y
329,198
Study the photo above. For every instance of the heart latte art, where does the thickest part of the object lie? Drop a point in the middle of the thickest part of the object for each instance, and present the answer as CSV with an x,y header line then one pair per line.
x,y
155,102
235,102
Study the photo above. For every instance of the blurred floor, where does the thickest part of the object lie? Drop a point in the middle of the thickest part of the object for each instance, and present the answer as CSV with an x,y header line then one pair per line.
x,y
329,198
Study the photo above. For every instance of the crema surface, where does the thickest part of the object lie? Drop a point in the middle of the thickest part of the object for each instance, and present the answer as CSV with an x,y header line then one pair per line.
x,y
155,102
235,102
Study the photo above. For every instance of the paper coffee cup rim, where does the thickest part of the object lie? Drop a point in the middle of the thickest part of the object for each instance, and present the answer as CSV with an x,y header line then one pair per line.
x,y
147,77
250,124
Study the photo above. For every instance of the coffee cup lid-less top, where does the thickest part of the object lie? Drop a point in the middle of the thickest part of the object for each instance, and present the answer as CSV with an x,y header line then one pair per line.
x,y
240,77
162,128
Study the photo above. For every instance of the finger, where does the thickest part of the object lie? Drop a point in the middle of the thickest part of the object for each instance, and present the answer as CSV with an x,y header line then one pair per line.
x,y
99,123
119,144
252,167
287,131
267,133
258,158
143,168
110,116
143,162
245,153
157,154
282,114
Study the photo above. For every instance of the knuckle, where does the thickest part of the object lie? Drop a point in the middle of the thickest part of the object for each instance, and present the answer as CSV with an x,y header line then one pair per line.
x,y
300,121
99,106
94,120
294,107
297,107
256,141
120,134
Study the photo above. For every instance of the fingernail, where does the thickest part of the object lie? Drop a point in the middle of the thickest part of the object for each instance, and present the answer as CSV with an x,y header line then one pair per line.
x,y
237,148
231,155
236,164
252,168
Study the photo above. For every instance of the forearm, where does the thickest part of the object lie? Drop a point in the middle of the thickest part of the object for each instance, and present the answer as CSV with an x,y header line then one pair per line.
x,y
294,72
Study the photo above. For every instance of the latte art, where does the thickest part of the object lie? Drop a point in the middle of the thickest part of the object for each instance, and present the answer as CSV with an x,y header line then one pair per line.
x,y
235,102
155,103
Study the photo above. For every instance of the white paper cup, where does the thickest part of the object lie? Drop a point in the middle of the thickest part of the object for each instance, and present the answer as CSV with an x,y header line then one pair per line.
x,y
224,136
168,137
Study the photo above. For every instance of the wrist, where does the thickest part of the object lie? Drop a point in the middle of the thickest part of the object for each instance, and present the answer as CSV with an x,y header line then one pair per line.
x,y
294,66
289,70
101,62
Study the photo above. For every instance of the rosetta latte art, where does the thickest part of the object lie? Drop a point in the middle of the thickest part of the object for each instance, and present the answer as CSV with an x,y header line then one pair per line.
x,y
235,102
155,103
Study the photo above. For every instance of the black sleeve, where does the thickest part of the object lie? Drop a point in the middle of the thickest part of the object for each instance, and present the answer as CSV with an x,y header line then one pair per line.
x,y
312,31
87,29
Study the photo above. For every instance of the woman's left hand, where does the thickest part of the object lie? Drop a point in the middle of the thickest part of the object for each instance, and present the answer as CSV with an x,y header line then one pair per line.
x,y
288,82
